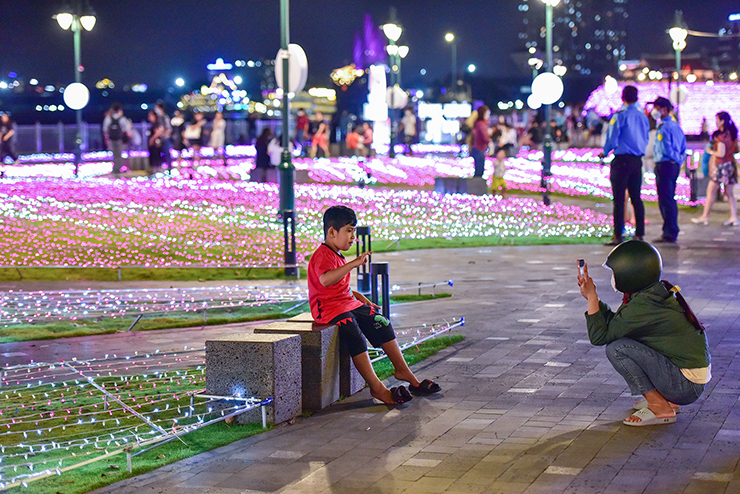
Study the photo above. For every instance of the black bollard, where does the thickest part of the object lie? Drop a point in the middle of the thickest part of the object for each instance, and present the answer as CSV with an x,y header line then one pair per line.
x,y
363,245
380,269
289,238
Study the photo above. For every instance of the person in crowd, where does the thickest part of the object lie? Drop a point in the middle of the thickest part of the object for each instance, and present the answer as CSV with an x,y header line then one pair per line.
x,y
653,340
505,148
193,135
178,124
408,127
535,135
275,150
627,137
722,170
353,141
367,139
262,158
320,131
333,302
669,154
481,139
218,134
302,126
117,133
7,138
166,124
154,138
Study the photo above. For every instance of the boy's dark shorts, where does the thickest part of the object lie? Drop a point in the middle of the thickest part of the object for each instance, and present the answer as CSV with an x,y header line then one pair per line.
x,y
363,320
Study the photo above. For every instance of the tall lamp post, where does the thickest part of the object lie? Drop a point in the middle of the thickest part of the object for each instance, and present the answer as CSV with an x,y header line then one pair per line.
x,y
450,38
393,31
678,35
76,19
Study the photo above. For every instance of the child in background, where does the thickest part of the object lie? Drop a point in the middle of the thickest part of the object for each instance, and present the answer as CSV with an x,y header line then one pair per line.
x,y
332,301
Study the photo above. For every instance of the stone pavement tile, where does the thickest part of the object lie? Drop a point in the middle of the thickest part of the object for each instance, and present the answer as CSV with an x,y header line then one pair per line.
x,y
204,479
430,485
526,468
390,485
503,487
549,484
669,481
631,480
703,487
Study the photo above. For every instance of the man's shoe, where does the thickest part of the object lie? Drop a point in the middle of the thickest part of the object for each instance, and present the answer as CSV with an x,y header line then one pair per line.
x,y
663,240
614,241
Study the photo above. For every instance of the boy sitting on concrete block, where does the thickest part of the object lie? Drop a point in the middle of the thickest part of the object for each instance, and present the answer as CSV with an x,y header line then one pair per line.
x,y
332,301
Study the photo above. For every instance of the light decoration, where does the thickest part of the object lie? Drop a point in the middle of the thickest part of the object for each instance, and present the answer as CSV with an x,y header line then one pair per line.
x,y
705,101
215,222
344,76
57,416
21,307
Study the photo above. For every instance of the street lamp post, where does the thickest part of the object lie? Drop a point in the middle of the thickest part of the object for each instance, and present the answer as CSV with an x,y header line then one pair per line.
x,y
393,32
76,19
450,38
547,145
287,193
678,35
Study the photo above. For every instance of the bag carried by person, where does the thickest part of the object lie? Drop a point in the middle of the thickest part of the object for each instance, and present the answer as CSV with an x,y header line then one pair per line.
x,y
115,130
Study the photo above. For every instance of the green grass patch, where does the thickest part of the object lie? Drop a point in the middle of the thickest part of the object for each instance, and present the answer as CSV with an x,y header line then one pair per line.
x,y
106,472
447,243
384,368
137,274
106,325
111,470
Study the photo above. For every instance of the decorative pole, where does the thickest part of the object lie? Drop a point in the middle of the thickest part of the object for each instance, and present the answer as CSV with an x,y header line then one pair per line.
x,y
287,193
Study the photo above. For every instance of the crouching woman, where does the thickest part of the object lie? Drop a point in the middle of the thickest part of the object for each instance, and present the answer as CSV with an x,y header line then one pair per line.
x,y
654,339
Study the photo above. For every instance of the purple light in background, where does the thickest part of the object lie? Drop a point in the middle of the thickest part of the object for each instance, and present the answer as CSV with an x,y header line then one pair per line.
x,y
702,101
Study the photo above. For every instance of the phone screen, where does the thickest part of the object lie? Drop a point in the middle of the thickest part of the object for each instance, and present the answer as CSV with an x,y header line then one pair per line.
x,y
581,263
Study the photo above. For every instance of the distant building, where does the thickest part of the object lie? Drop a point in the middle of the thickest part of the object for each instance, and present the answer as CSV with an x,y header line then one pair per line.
x,y
588,35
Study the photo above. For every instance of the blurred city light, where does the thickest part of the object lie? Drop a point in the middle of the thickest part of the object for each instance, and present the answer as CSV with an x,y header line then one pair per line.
x,y
471,68
180,82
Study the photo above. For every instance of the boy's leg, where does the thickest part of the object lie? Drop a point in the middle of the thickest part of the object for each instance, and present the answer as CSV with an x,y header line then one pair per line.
x,y
377,388
403,372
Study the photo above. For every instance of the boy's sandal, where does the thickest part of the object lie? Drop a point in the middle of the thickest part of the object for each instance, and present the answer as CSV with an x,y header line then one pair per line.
x,y
400,395
426,387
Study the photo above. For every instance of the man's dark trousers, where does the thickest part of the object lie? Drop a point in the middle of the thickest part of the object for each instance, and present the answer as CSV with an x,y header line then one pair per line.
x,y
626,175
666,175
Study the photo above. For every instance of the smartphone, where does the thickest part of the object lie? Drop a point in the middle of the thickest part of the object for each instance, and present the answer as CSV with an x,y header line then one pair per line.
x,y
581,264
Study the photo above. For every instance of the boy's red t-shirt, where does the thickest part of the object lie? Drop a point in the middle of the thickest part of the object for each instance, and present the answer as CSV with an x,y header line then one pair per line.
x,y
327,302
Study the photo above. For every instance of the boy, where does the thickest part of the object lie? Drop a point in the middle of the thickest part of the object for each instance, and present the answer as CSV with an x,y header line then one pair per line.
x,y
333,302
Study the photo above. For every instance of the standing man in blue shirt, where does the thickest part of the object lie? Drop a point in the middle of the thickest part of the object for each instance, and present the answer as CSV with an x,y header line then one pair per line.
x,y
670,153
627,137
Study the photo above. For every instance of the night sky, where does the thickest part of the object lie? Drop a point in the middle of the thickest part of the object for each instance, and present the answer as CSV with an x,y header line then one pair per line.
x,y
155,41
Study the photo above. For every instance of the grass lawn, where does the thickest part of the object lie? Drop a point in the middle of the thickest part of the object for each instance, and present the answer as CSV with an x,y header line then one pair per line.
x,y
86,327
45,401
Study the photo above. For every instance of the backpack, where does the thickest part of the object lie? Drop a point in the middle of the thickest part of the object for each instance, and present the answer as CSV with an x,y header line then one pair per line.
x,y
115,130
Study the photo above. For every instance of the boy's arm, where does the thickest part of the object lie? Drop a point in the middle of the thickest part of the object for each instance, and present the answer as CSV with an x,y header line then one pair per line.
x,y
335,275
364,299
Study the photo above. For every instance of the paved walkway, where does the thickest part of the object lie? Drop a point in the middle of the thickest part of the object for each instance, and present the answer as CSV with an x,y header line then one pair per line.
x,y
528,405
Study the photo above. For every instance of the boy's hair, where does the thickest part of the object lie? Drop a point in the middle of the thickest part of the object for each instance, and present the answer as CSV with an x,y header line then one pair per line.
x,y
338,217
716,134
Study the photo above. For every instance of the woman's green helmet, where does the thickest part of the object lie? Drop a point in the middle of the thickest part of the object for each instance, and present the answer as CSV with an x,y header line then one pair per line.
x,y
636,265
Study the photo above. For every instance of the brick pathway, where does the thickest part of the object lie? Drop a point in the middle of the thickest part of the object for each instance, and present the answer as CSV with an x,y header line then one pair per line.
x,y
528,406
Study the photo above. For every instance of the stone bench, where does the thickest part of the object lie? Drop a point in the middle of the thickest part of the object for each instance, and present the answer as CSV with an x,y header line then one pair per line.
x,y
456,185
259,365
328,371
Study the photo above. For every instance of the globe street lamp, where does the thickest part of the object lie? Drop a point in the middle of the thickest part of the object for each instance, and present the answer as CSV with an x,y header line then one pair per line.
x,y
678,35
393,33
76,19
547,146
450,38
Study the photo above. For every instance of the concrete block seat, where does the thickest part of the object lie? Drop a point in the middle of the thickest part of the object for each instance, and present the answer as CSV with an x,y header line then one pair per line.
x,y
328,371
259,365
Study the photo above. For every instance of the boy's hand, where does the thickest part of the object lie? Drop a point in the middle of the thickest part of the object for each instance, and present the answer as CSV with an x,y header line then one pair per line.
x,y
586,284
361,259
365,300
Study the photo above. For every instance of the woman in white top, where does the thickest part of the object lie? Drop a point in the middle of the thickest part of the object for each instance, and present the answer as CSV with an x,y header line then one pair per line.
x,y
218,134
